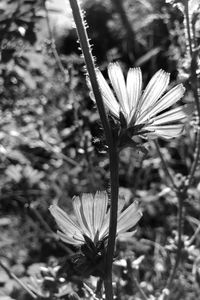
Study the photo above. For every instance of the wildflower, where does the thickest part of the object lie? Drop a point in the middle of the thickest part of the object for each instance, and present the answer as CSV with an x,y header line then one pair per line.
x,y
143,111
92,219
89,231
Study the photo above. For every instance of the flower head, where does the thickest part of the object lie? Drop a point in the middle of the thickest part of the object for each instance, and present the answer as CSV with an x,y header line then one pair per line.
x,y
144,112
92,219
89,230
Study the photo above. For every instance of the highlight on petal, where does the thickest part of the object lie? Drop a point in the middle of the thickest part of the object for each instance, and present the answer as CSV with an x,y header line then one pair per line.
x,y
134,88
77,206
178,114
165,131
165,102
100,208
70,240
64,221
155,89
107,94
117,80
87,202
128,218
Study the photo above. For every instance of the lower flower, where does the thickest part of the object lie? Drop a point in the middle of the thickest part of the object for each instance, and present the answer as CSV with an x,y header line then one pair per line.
x,y
89,230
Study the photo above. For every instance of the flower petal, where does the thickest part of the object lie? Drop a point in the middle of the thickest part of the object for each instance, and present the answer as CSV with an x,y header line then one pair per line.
x,y
70,240
77,210
105,226
100,208
154,90
121,203
165,131
66,224
128,218
166,101
174,115
107,94
87,202
134,88
117,80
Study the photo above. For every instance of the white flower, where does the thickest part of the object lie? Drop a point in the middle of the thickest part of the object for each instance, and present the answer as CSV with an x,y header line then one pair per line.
x,y
144,110
92,219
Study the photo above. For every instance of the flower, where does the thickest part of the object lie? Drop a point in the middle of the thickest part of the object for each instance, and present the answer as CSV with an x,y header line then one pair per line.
x,y
92,219
143,111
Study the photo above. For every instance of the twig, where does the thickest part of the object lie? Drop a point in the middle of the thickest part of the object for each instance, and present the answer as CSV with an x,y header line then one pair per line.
x,y
130,34
58,154
187,17
135,281
191,240
196,159
168,287
195,88
90,291
48,228
165,167
12,275
155,244
53,46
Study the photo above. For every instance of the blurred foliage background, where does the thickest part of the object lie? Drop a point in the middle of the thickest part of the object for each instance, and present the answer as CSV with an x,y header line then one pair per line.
x,y
52,145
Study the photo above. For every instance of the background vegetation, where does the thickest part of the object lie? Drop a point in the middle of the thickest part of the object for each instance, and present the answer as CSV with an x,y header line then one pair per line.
x,y
52,145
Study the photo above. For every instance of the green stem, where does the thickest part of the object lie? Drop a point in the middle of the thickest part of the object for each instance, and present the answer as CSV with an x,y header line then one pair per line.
x,y
85,46
114,181
112,149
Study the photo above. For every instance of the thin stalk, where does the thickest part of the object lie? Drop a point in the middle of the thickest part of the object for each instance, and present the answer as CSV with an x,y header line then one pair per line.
x,y
168,287
114,181
53,46
135,281
195,88
137,284
125,21
164,164
112,150
48,229
197,157
23,285
187,17
183,194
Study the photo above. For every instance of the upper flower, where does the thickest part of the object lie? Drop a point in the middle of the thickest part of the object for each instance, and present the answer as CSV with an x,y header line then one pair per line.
x,y
92,219
143,111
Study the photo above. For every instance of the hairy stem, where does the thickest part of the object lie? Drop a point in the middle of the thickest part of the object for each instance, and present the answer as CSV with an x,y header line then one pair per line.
x,y
114,178
112,150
